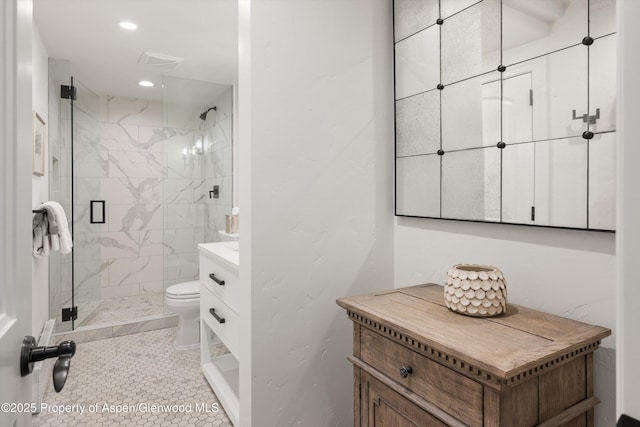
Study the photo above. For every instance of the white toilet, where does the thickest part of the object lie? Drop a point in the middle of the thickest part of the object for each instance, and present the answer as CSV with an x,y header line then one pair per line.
x,y
184,300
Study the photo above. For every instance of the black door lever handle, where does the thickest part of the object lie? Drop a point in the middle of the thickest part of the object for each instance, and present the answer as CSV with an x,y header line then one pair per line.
x,y
30,354
61,372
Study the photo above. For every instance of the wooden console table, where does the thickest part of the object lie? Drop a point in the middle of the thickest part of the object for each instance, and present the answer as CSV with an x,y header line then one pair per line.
x,y
417,363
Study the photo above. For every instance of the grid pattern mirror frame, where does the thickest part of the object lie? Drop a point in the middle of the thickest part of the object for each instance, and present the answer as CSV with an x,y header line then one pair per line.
x,y
505,111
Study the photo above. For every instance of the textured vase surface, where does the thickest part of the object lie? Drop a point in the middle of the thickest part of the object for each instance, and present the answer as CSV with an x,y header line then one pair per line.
x,y
476,290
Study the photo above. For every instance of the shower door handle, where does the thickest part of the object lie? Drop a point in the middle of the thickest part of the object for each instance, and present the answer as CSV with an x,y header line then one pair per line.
x,y
218,281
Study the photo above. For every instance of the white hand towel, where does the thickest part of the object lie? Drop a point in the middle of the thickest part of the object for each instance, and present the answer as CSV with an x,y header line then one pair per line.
x,y
63,227
54,241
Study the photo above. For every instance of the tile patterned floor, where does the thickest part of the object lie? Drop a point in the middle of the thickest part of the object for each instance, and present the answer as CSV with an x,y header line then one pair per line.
x,y
138,369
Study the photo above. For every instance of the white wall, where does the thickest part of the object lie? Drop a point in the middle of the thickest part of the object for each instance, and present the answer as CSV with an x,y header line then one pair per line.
x,y
628,319
40,184
565,272
316,147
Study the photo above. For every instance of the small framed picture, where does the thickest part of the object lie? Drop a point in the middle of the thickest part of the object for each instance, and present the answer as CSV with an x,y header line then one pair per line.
x,y
39,144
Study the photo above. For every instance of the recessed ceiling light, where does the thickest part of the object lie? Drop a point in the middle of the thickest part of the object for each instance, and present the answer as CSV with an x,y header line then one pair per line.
x,y
145,83
128,25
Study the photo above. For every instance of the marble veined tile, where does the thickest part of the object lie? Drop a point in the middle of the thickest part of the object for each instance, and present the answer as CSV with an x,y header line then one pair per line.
x,y
200,190
82,220
181,266
216,217
119,291
151,190
143,164
135,217
198,236
152,287
134,111
152,138
118,136
144,326
178,190
186,116
184,215
125,271
108,245
87,161
220,135
153,242
87,134
178,165
86,189
91,274
112,190
218,162
180,241
80,337
177,139
120,190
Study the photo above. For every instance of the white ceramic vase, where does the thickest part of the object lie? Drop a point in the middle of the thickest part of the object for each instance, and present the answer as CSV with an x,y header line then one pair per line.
x,y
476,290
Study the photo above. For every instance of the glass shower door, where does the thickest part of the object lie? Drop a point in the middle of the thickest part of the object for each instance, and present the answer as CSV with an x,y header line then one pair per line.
x,y
76,166
88,209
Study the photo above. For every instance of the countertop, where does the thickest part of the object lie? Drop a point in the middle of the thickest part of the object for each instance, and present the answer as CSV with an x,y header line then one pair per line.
x,y
227,252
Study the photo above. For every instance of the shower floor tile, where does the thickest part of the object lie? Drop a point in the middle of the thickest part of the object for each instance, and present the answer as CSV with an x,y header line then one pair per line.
x,y
125,309
132,373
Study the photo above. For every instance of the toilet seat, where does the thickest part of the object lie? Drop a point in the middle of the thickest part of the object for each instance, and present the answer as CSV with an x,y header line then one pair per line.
x,y
186,290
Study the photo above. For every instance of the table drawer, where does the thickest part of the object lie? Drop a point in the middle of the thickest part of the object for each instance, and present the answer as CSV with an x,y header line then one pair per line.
x,y
223,321
229,292
450,391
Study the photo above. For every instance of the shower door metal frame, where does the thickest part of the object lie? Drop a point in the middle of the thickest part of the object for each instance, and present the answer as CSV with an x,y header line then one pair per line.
x,y
71,313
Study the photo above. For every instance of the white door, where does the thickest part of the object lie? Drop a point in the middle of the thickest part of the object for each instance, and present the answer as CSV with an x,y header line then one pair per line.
x,y
16,138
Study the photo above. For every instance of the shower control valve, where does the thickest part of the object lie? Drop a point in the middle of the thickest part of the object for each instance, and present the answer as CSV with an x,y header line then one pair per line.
x,y
215,192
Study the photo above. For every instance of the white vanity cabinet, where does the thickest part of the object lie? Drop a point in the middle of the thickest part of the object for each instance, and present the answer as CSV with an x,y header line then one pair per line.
x,y
219,321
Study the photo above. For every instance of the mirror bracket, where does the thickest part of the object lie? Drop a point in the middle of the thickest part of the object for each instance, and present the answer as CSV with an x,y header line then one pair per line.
x,y
585,117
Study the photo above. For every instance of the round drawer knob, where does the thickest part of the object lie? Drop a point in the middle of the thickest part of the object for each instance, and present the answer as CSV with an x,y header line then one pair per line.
x,y
405,371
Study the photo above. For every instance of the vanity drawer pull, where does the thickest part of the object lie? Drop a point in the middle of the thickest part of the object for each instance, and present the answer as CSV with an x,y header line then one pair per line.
x,y
405,371
218,281
218,318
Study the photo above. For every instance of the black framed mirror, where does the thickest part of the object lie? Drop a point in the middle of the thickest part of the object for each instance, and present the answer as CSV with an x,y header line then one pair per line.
x,y
505,111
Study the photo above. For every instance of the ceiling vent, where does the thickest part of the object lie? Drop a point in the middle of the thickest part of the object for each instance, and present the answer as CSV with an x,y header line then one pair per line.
x,y
160,60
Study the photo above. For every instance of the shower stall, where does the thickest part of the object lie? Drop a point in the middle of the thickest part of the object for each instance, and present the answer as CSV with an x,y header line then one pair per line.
x,y
136,180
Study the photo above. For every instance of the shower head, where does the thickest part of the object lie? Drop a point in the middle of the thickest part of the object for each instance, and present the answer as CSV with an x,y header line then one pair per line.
x,y
203,116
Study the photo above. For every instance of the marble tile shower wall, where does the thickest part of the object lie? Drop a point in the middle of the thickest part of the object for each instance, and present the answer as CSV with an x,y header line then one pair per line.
x,y
154,201
219,164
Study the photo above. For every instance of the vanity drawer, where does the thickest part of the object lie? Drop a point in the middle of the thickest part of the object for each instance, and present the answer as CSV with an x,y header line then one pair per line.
x,y
450,391
229,292
224,322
